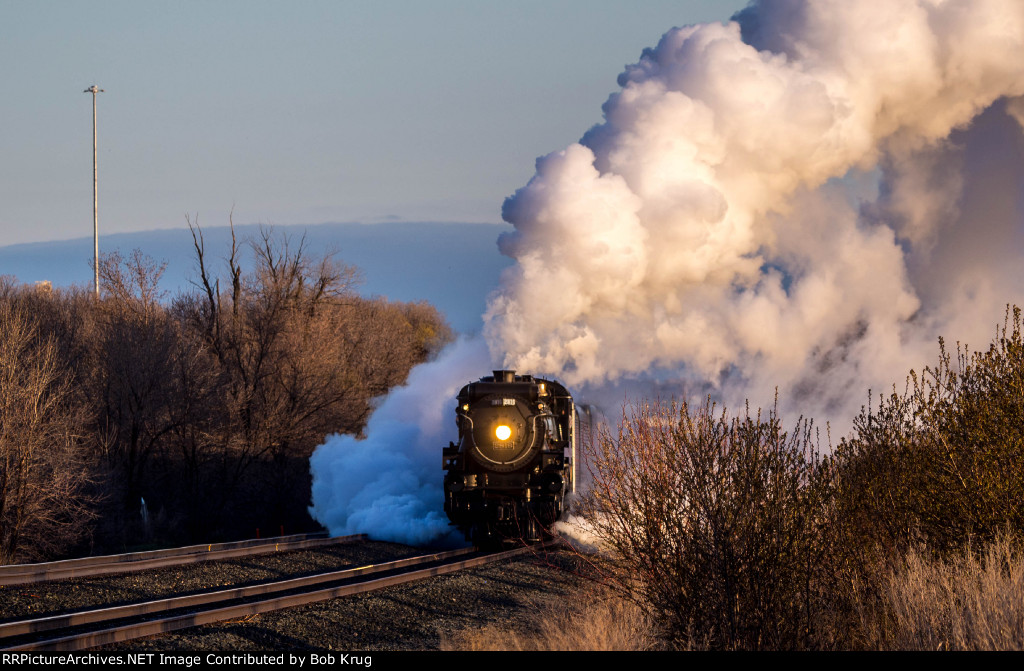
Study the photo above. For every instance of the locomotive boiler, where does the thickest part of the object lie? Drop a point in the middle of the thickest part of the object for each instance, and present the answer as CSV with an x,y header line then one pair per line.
x,y
508,476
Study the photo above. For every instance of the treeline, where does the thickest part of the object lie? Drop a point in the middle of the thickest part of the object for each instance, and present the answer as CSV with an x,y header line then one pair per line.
x,y
138,419
734,532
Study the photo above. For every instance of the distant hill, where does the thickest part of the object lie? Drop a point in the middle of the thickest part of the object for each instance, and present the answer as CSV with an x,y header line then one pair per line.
x,y
454,266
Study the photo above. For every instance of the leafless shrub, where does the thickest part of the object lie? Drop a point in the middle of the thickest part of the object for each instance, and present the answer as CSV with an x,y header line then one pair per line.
x,y
943,462
717,526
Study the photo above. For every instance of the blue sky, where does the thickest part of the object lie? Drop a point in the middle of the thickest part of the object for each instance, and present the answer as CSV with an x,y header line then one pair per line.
x,y
301,112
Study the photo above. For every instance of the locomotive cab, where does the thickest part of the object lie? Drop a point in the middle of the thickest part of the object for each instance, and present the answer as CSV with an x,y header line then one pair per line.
x,y
513,465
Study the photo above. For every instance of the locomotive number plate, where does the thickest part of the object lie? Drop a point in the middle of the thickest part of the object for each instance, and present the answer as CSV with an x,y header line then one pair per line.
x,y
503,401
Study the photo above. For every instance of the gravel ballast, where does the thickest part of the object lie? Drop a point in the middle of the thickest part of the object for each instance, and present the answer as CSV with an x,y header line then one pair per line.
x,y
414,616
62,596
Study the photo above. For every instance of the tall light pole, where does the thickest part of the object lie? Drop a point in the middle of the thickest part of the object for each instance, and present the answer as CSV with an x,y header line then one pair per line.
x,y
95,196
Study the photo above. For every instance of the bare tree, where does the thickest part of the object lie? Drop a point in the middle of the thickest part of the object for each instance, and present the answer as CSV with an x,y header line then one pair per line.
x,y
133,283
137,345
299,353
209,406
43,505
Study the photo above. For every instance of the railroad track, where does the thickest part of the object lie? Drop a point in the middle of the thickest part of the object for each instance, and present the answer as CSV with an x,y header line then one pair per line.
x,y
20,574
92,628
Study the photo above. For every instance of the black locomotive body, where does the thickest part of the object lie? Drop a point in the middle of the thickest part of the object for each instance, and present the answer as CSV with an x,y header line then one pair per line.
x,y
508,476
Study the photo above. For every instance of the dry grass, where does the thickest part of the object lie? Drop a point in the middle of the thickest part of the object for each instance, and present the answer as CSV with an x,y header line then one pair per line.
x,y
973,601
593,621
969,602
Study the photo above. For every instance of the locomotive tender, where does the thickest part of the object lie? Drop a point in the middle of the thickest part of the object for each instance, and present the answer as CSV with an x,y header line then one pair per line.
x,y
508,476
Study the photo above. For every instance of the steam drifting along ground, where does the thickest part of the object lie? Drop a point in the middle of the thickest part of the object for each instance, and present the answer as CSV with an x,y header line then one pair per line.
x,y
803,198
387,484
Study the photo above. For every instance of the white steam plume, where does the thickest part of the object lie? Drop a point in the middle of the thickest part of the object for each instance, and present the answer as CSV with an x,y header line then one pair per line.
x,y
804,198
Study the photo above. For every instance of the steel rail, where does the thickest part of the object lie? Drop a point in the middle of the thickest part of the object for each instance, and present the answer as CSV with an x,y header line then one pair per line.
x,y
127,632
166,552
65,620
151,554
20,574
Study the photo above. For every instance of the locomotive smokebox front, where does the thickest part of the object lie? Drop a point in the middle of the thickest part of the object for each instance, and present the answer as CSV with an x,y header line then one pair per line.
x,y
502,437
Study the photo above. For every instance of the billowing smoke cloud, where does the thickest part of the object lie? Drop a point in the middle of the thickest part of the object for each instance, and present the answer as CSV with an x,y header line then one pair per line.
x,y
804,199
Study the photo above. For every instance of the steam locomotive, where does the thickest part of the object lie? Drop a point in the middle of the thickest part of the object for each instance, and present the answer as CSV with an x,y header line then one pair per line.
x,y
508,476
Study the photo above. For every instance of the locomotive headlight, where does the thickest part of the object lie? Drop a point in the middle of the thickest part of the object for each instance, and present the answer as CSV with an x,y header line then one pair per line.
x,y
503,432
